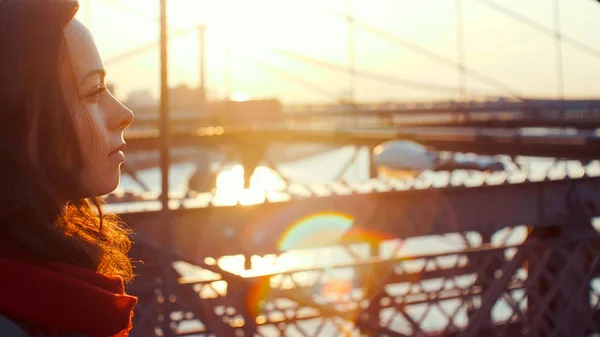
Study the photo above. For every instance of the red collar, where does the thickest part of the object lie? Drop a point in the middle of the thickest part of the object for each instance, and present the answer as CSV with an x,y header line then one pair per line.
x,y
59,298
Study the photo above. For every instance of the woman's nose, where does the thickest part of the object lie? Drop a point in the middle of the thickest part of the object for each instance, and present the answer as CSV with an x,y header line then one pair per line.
x,y
127,118
122,117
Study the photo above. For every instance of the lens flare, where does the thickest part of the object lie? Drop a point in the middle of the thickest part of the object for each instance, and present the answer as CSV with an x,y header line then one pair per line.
x,y
316,230
332,284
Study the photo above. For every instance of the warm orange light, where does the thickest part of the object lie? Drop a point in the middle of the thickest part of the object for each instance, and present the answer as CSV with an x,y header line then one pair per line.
x,y
230,186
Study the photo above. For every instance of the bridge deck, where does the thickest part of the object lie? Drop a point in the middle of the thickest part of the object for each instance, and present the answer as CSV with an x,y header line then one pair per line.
x,y
394,209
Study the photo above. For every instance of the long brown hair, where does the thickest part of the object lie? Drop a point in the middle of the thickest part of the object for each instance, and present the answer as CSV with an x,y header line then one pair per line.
x,y
37,133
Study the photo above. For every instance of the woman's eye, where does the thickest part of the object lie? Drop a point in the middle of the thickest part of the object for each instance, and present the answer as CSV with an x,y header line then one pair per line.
x,y
97,92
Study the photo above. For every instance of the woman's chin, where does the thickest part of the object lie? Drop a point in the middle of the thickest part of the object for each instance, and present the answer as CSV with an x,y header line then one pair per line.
x,y
107,185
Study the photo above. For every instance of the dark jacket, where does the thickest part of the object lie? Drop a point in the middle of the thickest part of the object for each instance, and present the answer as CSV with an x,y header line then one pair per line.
x,y
10,328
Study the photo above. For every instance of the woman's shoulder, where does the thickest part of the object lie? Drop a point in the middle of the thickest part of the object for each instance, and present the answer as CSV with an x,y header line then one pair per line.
x,y
10,328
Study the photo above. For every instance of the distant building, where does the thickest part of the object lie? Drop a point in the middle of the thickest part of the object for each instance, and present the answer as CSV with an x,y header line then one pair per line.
x,y
183,99
247,113
142,102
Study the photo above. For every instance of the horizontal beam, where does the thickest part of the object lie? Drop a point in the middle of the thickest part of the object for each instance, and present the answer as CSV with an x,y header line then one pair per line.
x,y
537,108
530,109
259,229
411,120
584,114
482,141
581,124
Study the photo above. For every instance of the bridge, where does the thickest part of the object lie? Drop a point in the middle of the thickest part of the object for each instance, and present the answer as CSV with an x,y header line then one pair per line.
x,y
487,284
510,253
480,127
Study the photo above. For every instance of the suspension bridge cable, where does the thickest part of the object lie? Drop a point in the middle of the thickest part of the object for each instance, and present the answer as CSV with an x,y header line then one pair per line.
x,y
540,27
417,85
146,47
559,52
373,76
288,76
460,50
302,58
436,57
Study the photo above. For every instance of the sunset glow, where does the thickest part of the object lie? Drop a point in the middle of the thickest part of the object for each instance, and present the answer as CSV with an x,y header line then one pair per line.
x,y
504,49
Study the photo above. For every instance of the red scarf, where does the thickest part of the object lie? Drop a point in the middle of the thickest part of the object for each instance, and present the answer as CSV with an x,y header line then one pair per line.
x,y
59,298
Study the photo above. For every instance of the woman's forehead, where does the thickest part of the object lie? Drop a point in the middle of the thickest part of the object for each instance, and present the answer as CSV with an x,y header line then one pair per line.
x,y
83,54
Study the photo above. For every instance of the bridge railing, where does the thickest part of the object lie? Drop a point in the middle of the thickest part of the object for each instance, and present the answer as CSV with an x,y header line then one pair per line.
x,y
547,285
376,280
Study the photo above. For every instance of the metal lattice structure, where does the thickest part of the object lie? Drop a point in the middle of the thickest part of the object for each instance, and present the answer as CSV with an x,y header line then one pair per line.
x,y
544,284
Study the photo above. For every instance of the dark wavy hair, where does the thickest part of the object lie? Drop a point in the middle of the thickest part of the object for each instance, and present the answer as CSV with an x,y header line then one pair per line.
x,y
37,133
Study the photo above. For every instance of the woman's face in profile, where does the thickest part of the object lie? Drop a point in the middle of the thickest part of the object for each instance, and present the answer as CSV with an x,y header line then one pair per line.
x,y
99,118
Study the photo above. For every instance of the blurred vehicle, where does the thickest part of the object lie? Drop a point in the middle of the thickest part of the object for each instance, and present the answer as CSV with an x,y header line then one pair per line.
x,y
405,157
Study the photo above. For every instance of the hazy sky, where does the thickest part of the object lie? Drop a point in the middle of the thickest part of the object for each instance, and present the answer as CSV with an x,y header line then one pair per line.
x,y
495,45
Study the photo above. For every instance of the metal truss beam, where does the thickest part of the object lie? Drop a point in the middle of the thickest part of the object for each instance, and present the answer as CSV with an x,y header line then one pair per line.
x,y
481,141
258,229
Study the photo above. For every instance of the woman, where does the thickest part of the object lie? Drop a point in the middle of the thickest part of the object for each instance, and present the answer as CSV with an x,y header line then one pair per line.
x,y
62,261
